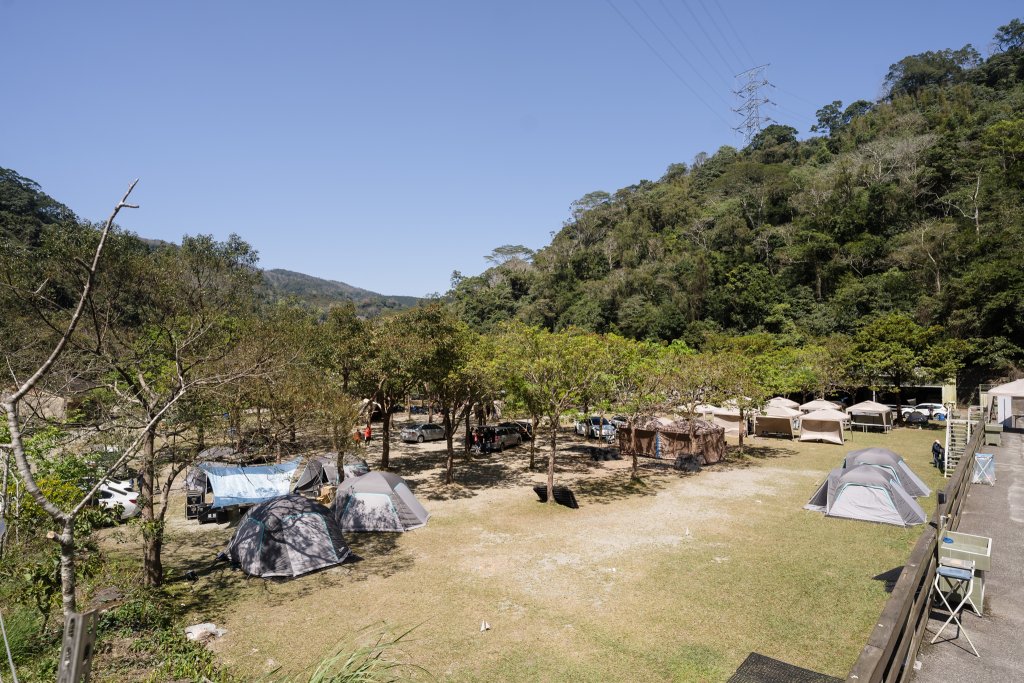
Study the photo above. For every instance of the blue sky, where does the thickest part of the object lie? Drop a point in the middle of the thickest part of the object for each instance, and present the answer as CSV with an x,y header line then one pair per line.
x,y
386,144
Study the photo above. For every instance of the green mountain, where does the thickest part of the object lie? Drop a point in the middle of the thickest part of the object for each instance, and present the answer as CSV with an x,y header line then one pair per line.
x,y
25,210
911,204
321,293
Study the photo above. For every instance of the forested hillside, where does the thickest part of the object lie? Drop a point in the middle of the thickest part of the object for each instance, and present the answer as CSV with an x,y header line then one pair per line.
x,y
321,293
912,204
25,209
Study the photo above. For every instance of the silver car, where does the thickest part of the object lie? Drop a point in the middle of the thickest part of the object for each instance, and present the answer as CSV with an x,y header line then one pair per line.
x,y
425,431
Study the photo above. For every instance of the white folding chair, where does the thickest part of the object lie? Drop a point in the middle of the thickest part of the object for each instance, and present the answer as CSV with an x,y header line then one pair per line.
x,y
958,575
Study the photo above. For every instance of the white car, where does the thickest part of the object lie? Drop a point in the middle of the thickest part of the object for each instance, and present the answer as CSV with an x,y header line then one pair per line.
x,y
935,411
594,427
111,494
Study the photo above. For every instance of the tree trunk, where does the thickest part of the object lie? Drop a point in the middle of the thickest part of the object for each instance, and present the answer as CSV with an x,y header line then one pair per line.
x,y
335,439
551,460
533,442
743,429
632,443
385,436
449,473
67,567
152,530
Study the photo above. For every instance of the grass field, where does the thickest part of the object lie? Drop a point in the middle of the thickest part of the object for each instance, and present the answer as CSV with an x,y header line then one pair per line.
x,y
677,578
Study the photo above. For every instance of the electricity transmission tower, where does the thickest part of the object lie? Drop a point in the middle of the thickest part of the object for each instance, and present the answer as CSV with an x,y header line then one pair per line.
x,y
751,85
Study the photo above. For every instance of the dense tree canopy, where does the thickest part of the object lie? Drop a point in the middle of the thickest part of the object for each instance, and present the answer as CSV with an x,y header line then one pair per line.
x,y
910,205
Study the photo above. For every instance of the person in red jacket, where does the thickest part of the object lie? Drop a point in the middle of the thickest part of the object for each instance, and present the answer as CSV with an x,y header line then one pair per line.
x,y
367,433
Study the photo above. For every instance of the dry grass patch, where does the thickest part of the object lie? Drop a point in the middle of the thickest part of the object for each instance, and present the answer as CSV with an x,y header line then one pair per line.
x,y
677,578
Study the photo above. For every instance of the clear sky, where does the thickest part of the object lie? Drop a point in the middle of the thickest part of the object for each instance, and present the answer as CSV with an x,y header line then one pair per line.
x,y
388,143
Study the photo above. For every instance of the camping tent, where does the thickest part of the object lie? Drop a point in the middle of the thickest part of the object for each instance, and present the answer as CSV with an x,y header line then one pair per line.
x,y
819,404
658,437
777,420
893,463
870,415
866,493
287,536
234,485
781,402
322,470
823,425
378,501
1008,401
728,419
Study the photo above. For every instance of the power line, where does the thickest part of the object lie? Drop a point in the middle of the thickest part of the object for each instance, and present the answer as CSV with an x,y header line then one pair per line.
x,y
727,42
680,53
725,78
665,62
707,36
734,32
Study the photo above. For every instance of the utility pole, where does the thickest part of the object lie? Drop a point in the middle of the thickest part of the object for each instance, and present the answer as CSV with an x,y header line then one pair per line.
x,y
751,85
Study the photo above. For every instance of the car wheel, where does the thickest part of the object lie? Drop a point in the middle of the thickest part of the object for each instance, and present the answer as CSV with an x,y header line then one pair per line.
x,y
419,439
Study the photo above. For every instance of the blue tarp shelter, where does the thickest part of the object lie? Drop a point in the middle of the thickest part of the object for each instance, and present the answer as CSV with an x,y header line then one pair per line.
x,y
234,485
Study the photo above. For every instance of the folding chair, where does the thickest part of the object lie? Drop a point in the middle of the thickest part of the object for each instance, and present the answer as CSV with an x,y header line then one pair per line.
x,y
958,575
984,469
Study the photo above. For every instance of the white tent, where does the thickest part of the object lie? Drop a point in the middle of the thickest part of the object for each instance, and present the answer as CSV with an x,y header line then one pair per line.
x,y
866,493
1008,401
781,402
728,419
892,462
823,425
870,415
777,420
819,404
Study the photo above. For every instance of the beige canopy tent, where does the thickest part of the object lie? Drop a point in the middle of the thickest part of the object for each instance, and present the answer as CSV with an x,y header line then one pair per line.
x,y
657,437
819,404
728,419
870,415
777,421
781,402
1007,400
823,425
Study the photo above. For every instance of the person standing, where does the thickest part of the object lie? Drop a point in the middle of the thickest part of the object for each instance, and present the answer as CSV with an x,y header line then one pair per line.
x,y
938,455
368,432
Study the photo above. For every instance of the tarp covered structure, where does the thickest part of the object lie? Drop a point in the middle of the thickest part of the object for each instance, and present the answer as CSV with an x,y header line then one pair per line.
x,y
378,501
658,437
234,485
195,478
285,537
819,404
866,493
893,463
782,402
870,415
823,425
728,419
777,420
1007,400
322,470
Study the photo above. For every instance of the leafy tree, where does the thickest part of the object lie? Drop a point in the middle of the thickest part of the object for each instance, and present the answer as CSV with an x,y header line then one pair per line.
x,y
555,371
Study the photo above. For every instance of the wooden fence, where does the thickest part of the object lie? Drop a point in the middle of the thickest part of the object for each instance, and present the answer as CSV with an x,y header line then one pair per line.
x,y
896,639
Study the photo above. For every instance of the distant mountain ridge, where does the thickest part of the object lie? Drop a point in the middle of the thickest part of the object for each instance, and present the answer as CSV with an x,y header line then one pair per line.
x,y
321,293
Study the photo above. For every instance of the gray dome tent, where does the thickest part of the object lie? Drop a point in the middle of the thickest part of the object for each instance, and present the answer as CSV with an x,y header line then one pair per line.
x,y
287,537
894,463
322,470
867,493
378,501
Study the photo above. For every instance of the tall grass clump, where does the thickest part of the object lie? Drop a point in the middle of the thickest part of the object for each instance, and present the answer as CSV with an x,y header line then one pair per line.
x,y
377,662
